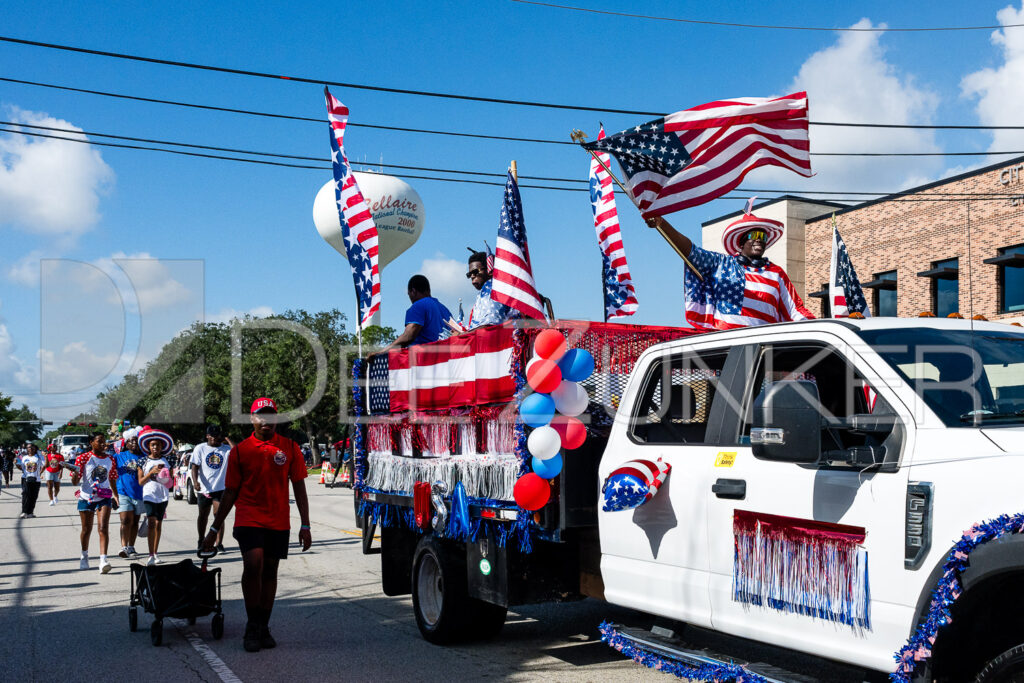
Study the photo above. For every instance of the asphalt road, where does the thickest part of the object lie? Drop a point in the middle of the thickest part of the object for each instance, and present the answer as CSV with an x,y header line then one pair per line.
x,y
331,621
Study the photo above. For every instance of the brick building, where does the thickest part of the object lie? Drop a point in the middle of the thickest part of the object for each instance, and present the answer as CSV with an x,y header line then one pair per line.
x,y
911,250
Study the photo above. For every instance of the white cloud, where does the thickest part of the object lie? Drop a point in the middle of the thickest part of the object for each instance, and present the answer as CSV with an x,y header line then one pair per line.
x,y
139,281
76,367
13,371
851,81
50,187
25,271
998,90
226,315
448,282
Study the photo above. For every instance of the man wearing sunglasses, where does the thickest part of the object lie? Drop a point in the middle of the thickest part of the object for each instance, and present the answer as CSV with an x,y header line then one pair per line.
x,y
741,288
486,311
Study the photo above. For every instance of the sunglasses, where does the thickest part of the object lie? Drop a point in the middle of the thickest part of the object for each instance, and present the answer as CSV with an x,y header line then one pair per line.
x,y
756,235
476,271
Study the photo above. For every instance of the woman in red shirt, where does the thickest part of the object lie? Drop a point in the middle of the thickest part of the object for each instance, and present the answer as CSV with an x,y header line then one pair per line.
x,y
53,473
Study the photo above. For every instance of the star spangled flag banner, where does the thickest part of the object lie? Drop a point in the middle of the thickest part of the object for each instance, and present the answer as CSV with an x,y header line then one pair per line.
x,y
619,294
513,276
633,484
844,290
695,155
357,224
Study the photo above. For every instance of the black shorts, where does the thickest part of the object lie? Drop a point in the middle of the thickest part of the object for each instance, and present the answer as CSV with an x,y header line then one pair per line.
x,y
155,510
204,500
273,541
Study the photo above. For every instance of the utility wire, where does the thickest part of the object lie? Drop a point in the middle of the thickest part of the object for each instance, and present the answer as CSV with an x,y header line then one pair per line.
x,y
768,26
427,93
506,138
848,197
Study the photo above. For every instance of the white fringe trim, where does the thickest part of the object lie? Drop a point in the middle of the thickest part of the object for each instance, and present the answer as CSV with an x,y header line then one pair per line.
x,y
483,476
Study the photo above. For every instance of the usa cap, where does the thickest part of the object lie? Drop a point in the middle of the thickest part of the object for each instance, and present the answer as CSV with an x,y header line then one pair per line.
x,y
263,404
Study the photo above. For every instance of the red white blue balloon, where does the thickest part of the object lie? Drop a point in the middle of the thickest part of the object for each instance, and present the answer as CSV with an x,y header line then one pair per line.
x,y
633,484
543,443
576,365
570,398
548,469
536,410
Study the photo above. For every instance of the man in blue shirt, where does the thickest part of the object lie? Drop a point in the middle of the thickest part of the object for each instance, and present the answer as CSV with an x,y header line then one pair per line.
x,y
486,311
129,490
426,320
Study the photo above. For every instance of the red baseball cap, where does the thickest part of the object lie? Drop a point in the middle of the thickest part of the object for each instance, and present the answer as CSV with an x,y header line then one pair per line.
x,y
262,404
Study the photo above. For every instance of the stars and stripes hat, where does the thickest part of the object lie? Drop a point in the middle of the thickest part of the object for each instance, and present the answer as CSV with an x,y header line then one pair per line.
x,y
150,435
733,238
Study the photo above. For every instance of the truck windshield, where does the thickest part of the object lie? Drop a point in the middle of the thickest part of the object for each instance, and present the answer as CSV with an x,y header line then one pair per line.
x,y
79,440
967,379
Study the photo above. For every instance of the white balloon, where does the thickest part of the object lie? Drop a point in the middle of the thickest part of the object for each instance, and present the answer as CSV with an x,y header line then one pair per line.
x,y
544,443
396,207
570,398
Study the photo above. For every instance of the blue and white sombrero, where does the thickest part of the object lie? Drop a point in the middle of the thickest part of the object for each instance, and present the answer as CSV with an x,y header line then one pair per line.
x,y
166,442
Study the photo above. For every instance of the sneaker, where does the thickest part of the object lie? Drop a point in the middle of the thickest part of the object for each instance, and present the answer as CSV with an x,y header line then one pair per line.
x,y
52,503
131,551
266,640
252,641
22,515
30,516
84,563
124,553
220,549
104,567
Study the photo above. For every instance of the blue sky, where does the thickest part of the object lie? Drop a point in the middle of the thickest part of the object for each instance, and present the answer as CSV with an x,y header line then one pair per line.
x,y
231,238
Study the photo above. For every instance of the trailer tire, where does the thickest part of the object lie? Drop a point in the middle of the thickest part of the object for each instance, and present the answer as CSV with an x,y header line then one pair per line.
x,y
486,619
1007,667
440,599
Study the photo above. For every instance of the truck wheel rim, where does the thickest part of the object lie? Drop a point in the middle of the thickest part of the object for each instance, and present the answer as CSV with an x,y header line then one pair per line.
x,y
430,590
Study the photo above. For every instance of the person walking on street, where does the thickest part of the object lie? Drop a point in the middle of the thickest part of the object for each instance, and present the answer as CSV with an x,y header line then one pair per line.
x,y
7,465
53,473
259,469
97,474
130,505
208,472
155,477
31,465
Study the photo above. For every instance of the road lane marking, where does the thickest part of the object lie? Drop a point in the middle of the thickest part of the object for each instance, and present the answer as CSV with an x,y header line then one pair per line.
x,y
206,652
356,533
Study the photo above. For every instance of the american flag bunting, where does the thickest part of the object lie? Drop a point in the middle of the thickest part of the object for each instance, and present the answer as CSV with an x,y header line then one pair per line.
x,y
844,290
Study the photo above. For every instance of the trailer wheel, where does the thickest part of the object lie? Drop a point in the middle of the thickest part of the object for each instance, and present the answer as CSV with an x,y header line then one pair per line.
x,y
439,594
1006,668
486,619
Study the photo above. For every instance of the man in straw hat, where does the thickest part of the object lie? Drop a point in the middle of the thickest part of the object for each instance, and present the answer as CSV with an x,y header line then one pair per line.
x,y
740,288
256,485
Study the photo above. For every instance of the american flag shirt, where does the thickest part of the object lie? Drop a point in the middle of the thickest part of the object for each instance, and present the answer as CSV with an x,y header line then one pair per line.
x,y
487,311
733,295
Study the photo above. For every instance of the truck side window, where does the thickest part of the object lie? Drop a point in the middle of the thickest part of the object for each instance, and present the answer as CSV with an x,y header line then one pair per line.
x,y
675,400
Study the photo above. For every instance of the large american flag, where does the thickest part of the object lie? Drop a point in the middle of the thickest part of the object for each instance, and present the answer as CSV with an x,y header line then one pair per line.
x,y
357,226
695,155
513,275
844,290
619,295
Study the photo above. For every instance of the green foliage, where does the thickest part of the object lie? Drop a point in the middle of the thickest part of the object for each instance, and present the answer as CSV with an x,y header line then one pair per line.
x,y
189,383
16,434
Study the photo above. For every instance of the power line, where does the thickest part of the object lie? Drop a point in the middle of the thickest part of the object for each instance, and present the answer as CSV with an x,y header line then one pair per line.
x,y
767,26
404,129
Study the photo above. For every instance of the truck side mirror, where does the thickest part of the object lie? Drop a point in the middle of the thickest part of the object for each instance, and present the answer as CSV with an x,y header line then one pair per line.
x,y
787,422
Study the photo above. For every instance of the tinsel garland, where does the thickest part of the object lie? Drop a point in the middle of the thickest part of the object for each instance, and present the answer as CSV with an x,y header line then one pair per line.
x,y
519,359
483,476
358,445
719,673
948,590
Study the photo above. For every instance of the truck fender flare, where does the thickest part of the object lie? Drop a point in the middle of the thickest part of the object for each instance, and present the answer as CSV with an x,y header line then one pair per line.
x,y
1001,556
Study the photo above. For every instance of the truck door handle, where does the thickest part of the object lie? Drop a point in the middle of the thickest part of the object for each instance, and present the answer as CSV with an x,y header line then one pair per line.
x,y
730,488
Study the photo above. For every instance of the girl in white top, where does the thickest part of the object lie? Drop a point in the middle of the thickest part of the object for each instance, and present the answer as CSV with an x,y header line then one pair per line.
x,y
96,473
154,476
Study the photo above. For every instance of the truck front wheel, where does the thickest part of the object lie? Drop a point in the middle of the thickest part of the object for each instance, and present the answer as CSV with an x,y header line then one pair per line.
x,y
1006,668
439,597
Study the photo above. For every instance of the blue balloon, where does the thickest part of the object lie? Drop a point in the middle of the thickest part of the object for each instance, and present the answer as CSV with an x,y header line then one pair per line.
x,y
536,410
548,469
576,365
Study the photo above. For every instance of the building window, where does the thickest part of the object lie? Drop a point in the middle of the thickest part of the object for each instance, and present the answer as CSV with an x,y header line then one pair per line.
x,y
1011,280
946,289
826,308
885,293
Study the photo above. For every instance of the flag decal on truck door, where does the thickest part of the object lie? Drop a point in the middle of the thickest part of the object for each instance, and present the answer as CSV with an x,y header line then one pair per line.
x,y
796,565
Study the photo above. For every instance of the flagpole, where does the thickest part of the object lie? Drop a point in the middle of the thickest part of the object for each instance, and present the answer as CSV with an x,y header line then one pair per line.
x,y
578,136
604,302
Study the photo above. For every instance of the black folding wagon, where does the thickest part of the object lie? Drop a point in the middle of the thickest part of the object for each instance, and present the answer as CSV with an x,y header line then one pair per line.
x,y
180,590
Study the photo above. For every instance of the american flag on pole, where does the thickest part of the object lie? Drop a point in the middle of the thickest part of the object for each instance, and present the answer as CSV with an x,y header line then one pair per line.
x,y
695,155
619,295
357,224
513,275
844,290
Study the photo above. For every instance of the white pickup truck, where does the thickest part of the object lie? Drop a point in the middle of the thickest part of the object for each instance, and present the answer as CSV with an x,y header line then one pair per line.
x,y
821,473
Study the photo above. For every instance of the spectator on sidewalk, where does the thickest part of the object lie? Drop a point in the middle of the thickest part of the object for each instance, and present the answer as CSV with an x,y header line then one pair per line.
x,y
209,470
31,465
53,473
7,458
97,473
259,469
130,506
155,478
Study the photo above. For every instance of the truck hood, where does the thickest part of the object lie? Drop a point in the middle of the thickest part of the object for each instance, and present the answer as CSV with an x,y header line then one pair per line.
x,y
1010,439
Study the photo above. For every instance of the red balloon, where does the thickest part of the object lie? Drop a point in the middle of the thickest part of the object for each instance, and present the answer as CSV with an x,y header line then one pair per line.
x,y
549,344
571,429
531,492
544,376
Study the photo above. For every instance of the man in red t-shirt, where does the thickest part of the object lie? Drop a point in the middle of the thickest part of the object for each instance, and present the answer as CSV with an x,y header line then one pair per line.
x,y
256,485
